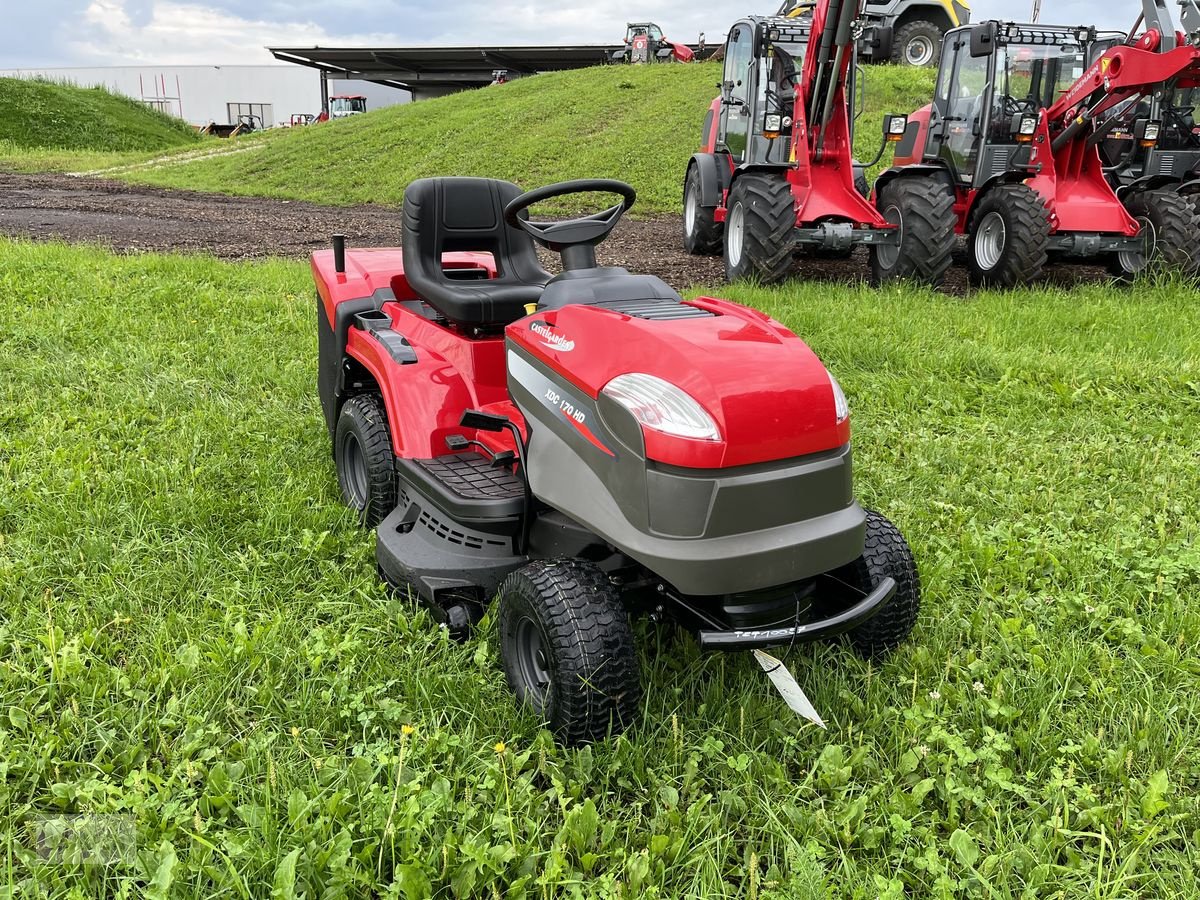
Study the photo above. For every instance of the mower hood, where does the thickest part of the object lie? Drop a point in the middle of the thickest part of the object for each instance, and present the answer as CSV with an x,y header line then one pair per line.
x,y
764,389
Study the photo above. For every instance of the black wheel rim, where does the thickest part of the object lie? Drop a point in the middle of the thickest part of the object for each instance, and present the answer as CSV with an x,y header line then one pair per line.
x,y
354,469
532,662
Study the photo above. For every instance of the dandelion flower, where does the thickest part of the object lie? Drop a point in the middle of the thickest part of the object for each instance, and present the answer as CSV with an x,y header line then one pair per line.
x,y
406,730
499,748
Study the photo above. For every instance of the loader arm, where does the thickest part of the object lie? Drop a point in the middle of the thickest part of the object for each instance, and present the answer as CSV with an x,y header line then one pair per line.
x,y
823,174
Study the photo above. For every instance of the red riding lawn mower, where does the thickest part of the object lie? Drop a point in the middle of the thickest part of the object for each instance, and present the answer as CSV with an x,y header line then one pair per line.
x,y
1014,132
644,43
590,447
776,175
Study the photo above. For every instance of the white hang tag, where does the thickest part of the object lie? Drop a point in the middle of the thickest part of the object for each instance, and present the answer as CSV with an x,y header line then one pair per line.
x,y
793,695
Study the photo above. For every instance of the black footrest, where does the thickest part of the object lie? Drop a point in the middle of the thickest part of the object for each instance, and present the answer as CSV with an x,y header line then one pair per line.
x,y
472,475
465,486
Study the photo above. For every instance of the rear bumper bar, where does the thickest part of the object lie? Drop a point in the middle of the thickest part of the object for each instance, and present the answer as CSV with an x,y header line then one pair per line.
x,y
760,639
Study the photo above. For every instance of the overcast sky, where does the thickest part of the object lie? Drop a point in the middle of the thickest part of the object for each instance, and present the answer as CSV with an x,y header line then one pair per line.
x,y
38,33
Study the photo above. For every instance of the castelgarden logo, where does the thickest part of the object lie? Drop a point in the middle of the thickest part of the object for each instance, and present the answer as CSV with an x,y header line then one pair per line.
x,y
552,338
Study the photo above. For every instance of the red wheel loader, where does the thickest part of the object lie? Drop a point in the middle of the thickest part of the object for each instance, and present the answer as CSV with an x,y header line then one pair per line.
x,y
1014,129
775,173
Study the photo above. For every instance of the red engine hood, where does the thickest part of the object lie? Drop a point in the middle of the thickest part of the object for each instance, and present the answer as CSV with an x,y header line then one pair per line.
x,y
763,386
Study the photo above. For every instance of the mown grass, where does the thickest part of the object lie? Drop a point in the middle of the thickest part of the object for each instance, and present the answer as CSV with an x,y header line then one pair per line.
x,y
192,633
38,116
636,123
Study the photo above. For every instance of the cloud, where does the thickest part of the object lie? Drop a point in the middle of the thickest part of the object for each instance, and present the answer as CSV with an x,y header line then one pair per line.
x,y
112,32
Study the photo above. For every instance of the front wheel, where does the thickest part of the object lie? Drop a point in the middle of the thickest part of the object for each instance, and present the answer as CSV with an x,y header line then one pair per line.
x,y
758,229
567,648
701,233
1170,236
362,452
1010,231
885,555
922,209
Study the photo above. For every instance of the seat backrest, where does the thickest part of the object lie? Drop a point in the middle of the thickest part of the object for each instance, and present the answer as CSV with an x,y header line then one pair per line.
x,y
448,214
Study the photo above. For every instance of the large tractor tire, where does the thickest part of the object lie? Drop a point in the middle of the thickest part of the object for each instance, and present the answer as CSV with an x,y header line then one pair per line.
x,y
701,234
362,452
885,555
1009,232
1171,230
758,229
568,650
916,44
923,208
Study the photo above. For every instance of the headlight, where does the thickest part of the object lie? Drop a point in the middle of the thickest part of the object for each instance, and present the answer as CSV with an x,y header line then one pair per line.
x,y
897,124
772,123
1028,124
1151,132
660,405
841,407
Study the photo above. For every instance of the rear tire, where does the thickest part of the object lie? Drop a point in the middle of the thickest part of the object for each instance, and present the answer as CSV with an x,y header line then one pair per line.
x,y
1173,239
758,229
924,210
701,234
568,650
885,555
362,452
917,44
1010,229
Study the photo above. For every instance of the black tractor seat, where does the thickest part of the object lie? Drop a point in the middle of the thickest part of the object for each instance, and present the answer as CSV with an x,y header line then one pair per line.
x,y
454,214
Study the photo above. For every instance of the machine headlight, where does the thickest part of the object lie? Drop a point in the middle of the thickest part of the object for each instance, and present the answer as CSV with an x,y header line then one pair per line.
x,y
660,405
1150,135
1028,124
773,122
896,124
841,407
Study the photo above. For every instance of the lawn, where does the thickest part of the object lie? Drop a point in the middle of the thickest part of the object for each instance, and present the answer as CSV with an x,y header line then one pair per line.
x,y
193,641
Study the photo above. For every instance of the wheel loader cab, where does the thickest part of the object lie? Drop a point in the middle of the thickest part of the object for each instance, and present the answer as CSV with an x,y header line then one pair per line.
x,y
993,81
445,215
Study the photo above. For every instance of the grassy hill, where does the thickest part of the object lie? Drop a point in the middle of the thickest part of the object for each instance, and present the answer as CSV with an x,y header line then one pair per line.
x,y
639,124
48,115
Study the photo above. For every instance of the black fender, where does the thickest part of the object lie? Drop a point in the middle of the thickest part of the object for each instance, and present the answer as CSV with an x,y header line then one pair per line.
x,y
917,170
714,177
1149,183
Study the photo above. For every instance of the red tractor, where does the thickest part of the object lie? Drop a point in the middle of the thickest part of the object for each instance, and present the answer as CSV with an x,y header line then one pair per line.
x,y
644,43
1013,132
775,174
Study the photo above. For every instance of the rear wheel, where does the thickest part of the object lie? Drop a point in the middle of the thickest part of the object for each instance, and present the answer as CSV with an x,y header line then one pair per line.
x,y
885,555
923,210
916,44
567,648
362,452
758,229
1010,229
701,234
1170,236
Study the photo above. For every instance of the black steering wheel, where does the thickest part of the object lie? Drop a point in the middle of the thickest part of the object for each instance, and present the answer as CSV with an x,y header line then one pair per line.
x,y
575,239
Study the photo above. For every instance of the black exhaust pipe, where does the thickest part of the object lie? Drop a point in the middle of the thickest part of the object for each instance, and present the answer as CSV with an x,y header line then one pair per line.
x,y
339,253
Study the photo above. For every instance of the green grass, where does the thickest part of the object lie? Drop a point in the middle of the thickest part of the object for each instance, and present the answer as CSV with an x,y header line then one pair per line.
x,y
38,115
192,633
637,123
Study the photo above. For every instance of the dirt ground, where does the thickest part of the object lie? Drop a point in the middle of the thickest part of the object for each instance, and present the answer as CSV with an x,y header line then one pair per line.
x,y
131,218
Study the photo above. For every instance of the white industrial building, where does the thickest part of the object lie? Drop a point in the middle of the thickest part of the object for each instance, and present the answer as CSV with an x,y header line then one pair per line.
x,y
220,94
